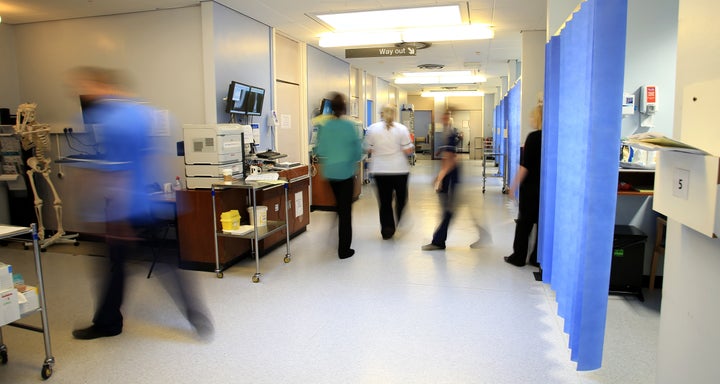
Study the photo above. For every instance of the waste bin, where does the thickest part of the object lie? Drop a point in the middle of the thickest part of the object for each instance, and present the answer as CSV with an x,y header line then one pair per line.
x,y
628,260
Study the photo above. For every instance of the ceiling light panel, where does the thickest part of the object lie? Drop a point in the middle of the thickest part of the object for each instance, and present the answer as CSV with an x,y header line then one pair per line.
x,y
394,18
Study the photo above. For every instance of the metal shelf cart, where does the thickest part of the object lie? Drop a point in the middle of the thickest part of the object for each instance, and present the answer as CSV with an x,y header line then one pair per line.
x,y
258,233
489,154
47,368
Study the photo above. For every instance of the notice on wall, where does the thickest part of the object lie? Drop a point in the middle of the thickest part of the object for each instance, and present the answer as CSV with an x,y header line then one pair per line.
x,y
161,123
285,121
299,209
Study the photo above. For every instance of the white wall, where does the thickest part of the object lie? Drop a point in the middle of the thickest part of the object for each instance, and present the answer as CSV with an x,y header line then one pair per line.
x,y
325,74
533,77
651,49
9,97
241,52
689,335
163,58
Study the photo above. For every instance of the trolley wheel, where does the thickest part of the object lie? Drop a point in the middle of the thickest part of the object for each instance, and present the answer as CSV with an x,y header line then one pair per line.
x,y
3,357
287,259
76,243
219,275
46,371
43,249
256,279
25,247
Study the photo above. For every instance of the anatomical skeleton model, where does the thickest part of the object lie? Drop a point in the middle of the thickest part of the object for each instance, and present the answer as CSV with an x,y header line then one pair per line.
x,y
36,136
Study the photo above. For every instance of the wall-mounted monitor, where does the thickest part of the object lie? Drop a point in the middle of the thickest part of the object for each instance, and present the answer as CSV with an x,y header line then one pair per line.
x,y
237,98
255,101
87,102
326,107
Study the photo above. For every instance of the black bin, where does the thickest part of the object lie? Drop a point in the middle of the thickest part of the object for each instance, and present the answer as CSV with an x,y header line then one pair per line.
x,y
628,260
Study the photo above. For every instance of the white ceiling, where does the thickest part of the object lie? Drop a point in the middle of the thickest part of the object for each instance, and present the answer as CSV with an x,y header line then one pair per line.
x,y
293,18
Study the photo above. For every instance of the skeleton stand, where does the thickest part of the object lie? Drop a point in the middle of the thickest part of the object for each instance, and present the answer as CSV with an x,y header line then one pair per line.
x,y
37,136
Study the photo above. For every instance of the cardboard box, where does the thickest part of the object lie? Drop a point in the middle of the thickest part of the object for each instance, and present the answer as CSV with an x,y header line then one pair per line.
x,y
9,307
28,300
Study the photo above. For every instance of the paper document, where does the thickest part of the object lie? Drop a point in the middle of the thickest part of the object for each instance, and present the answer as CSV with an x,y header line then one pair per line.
x,y
265,176
652,141
244,229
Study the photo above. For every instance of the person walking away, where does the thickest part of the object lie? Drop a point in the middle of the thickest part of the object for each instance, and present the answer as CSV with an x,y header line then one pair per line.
x,y
388,144
339,149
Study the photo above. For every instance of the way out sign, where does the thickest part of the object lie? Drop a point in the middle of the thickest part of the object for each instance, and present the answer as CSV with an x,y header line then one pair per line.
x,y
379,52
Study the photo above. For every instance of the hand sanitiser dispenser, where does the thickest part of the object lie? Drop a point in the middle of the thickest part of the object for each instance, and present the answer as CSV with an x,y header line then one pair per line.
x,y
648,99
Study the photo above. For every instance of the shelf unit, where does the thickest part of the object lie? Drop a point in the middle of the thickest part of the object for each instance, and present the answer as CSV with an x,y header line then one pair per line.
x,y
258,232
47,368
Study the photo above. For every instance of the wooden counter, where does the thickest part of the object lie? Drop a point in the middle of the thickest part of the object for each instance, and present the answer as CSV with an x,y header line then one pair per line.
x,y
195,215
322,195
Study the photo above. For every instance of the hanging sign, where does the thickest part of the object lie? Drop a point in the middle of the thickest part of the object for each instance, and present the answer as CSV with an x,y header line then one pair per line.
x,y
379,52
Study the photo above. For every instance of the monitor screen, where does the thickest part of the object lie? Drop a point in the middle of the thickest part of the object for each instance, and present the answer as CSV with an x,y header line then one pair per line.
x,y
86,106
255,101
326,107
237,97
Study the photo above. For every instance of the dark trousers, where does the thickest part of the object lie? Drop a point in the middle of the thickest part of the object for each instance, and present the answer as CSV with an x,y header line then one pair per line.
x,y
122,240
387,187
448,202
528,210
343,191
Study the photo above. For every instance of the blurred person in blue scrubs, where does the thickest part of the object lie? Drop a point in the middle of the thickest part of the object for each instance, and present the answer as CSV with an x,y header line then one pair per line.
x,y
123,127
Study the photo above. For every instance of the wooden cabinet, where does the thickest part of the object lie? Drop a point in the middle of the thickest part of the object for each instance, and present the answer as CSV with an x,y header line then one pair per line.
x,y
195,215
322,195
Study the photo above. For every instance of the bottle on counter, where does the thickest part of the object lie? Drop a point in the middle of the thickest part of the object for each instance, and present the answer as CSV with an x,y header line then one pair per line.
x,y
178,185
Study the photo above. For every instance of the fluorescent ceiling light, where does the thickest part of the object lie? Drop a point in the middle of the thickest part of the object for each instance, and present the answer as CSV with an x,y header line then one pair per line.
x,y
394,18
430,34
391,26
449,77
451,93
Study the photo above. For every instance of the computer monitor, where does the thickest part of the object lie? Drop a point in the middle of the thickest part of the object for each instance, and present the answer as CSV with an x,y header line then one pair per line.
x,y
237,98
326,107
86,107
255,101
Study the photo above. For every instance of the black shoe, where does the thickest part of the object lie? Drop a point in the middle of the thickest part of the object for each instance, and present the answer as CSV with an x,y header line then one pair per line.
x,y
346,254
387,234
201,323
94,332
510,260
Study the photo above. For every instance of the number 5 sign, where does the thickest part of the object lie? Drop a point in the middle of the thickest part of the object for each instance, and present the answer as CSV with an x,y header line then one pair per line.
x,y
681,183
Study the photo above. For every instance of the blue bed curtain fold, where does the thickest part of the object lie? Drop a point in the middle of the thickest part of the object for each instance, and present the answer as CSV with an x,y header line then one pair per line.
x,y
513,132
581,136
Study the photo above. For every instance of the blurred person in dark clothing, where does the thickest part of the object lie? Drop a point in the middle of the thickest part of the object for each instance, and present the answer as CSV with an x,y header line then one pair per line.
x,y
528,179
123,128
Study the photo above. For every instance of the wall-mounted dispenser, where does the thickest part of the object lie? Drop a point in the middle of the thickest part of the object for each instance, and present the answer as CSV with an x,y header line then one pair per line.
x,y
648,99
628,105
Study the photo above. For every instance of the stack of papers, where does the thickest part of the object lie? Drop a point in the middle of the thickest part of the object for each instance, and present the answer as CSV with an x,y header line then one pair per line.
x,y
265,176
651,141
244,229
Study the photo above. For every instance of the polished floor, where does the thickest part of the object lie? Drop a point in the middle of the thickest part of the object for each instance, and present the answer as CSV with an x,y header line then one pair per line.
x,y
390,314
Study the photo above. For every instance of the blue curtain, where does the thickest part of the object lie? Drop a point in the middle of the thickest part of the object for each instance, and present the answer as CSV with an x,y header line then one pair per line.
x,y
581,135
513,136
497,136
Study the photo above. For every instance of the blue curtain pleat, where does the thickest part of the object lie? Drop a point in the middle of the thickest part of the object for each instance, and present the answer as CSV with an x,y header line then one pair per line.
x,y
514,131
581,136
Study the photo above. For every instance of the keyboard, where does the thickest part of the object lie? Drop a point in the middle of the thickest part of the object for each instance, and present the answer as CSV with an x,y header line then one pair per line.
x,y
85,156
265,176
269,155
